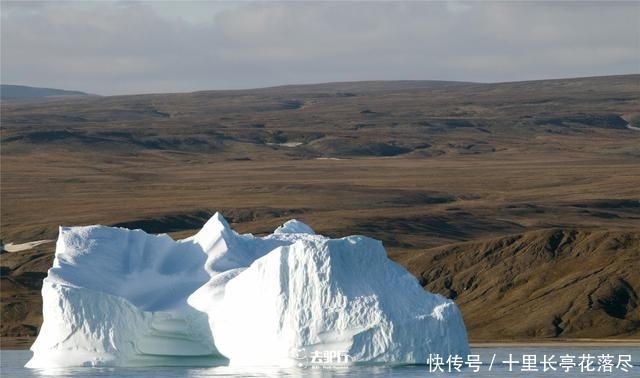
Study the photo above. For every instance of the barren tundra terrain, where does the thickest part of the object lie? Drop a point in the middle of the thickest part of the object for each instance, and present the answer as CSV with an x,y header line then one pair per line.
x,y
519,200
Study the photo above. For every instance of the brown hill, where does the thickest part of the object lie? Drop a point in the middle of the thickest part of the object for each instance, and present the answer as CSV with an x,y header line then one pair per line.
x,y
540,284
418,165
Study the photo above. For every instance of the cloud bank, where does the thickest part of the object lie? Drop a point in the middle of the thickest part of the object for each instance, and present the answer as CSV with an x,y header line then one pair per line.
x,y
140,47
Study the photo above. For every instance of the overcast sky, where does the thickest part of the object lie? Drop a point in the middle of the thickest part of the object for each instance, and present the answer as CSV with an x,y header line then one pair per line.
x,y
115,47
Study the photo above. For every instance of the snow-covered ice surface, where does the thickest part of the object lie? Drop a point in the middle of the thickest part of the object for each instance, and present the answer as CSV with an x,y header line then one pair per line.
x,y
118,297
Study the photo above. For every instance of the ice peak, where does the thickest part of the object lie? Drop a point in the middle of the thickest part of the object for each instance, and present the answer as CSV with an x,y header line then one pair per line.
x,y
218,220
215,228
294,226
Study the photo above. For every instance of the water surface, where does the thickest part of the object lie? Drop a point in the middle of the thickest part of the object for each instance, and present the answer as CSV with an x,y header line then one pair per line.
x,y
589,362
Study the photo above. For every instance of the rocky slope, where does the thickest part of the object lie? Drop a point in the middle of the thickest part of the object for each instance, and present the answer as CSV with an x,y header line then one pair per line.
x,y
539,284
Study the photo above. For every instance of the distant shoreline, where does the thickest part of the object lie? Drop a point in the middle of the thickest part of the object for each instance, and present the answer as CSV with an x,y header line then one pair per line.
x,y
22,343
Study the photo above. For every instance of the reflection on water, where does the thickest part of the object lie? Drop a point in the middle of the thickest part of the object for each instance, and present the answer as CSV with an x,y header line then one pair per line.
x,y
494,362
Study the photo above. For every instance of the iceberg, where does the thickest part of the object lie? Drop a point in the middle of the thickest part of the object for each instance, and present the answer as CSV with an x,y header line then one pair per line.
x,y
119,297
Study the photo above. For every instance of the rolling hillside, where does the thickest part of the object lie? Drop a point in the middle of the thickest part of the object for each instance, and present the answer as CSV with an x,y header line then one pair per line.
x,y
514,198
22,93
570,283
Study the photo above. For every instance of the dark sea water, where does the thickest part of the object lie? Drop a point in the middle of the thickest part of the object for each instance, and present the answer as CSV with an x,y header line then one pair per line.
x,y
608,361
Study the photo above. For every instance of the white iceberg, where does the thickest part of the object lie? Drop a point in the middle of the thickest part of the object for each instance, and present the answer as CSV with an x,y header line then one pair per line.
x,y
119,297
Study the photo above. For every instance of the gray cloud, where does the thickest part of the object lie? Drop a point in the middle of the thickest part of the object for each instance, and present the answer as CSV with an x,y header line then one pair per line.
x,y
112,47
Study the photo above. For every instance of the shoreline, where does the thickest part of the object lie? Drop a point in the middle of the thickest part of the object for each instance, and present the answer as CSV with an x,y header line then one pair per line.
x,y
22,343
